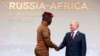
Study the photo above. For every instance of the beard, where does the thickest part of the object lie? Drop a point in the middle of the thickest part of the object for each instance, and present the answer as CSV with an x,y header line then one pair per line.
x,y
49,22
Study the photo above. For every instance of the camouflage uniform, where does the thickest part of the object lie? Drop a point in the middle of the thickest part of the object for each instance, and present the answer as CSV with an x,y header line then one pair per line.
x,y
43,41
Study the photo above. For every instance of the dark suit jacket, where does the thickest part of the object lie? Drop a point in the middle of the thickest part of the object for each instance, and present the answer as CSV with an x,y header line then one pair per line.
x,y
78,45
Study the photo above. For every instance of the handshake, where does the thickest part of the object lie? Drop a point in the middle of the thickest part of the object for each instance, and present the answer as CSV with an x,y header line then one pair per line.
x,y
57,48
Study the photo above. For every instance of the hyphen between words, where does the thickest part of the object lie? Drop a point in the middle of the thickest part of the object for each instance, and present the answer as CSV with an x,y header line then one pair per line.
x,y
48,5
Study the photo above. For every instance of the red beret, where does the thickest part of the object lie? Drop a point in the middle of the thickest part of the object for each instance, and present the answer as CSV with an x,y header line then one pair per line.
x,y
48,14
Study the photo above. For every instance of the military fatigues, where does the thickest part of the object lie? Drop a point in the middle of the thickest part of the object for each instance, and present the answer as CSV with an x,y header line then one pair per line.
x,y
43,41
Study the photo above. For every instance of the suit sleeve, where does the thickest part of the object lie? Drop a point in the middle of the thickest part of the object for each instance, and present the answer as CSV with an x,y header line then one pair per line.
x,y
63,44
83,46
46,37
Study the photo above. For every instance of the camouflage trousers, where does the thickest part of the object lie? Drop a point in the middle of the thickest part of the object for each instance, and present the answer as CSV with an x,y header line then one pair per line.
x,y
40,52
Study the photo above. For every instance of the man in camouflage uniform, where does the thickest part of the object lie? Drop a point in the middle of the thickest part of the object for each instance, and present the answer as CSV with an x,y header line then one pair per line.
x,y
43,36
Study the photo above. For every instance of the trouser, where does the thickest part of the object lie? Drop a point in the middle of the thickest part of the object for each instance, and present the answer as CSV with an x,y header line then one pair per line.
x,y
41,52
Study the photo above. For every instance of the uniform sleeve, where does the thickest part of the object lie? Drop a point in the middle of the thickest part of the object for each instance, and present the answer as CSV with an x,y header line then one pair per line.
x,y
47,40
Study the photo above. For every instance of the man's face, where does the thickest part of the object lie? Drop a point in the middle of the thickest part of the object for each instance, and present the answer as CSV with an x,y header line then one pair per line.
x,y
47,18
73,26
49,21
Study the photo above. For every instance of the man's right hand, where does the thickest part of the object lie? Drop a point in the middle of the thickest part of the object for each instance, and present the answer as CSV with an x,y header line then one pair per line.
x,y
57,49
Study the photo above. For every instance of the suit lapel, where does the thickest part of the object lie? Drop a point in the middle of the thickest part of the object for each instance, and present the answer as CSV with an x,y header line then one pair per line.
x,y
69,39
76,37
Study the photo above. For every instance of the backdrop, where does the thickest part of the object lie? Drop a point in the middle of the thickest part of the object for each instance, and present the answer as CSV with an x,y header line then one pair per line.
x,y
19,20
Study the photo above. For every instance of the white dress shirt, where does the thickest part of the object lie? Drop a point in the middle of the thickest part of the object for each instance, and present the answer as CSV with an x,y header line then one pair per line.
x,y
74,33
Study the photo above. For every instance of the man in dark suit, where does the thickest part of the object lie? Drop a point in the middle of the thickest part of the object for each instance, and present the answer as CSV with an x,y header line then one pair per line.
x,y
74,41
